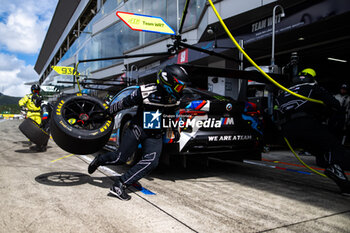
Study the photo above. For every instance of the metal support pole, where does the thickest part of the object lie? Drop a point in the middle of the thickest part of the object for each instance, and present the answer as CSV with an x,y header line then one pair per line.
x,y
241,56
273,33
270,94
242,83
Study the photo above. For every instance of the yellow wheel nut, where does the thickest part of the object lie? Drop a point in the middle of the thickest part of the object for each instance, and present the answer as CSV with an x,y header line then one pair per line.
x,y
72,121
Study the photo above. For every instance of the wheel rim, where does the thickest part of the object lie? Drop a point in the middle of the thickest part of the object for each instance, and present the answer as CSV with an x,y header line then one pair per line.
x,y
84,114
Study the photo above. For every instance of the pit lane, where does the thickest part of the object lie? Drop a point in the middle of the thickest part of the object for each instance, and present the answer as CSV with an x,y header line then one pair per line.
x,y
41,192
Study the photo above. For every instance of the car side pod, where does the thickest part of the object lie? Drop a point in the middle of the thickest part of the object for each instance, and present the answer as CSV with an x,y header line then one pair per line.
x,y
80,125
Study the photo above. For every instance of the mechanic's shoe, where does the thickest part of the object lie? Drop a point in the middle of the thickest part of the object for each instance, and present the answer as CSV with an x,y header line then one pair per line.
x,y
336,173
94,165
118,190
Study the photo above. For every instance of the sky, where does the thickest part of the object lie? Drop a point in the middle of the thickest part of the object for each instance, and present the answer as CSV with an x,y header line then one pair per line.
x,y
23,27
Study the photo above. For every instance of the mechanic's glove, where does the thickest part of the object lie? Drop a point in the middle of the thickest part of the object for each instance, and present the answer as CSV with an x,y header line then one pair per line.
x,y
177,136
37,99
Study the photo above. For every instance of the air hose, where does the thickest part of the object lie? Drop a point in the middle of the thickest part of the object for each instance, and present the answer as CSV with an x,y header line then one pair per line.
x,y
270,79
301,161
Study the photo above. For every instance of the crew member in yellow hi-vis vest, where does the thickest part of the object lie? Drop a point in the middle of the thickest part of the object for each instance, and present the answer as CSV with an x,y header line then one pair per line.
x,y
32,103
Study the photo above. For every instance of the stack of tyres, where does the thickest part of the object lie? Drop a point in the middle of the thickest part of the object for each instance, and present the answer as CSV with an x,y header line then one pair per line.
x,y
79,124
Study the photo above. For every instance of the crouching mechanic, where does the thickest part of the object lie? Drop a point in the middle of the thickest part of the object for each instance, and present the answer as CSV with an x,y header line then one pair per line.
x,y
155,99
302,125
32,102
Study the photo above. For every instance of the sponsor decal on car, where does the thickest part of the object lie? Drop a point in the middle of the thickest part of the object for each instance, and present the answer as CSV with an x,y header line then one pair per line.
x,y
227,121
230,138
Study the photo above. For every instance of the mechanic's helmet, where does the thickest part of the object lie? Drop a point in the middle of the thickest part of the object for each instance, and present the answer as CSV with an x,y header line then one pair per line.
x,y
308,71
173,78
35,88
305,76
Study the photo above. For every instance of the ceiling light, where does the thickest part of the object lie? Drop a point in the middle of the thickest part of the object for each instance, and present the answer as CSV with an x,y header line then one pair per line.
x,y
335,59
301,38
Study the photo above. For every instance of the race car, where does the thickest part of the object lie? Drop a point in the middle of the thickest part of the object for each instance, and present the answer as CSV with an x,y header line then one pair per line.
x,y
209,125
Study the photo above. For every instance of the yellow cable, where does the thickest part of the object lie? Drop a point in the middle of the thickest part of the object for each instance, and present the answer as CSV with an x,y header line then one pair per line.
x,y
77,77
270,79
301,161
78,84
254,64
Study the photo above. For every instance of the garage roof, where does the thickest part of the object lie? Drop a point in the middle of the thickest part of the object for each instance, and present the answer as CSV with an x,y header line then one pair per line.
x,y
61,17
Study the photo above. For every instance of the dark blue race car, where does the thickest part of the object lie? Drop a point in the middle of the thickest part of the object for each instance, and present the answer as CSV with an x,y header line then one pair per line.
x,y
210,125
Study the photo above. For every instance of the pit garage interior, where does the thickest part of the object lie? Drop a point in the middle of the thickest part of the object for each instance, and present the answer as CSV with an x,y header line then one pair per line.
x,y
323,45
324,40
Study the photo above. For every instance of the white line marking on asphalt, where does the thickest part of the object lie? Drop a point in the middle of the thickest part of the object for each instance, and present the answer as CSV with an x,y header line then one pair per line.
x,y
259,164
102,168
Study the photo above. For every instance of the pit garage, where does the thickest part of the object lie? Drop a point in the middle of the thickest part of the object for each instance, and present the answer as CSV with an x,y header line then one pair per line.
x,y
311,34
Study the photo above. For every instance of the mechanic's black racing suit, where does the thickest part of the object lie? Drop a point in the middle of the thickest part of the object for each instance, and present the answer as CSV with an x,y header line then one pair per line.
x,y
302,122
150,99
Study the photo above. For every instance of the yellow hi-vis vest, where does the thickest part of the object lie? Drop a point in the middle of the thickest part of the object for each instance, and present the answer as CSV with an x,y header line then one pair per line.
x,y
33,111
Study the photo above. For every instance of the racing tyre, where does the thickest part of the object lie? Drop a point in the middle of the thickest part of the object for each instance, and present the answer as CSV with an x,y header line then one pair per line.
x,y
79,124
33,132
